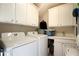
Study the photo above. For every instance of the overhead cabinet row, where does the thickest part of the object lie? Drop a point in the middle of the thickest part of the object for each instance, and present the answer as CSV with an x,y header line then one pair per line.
x,y
19,13
61,16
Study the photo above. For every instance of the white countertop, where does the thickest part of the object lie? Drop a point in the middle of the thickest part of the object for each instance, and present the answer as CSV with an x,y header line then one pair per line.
x,y
62,37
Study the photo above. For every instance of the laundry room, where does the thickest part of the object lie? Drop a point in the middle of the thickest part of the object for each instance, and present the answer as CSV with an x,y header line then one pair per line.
x,y
39,29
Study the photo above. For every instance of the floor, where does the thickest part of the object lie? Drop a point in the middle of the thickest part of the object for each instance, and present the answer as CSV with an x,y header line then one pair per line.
x,y
50,47
51,52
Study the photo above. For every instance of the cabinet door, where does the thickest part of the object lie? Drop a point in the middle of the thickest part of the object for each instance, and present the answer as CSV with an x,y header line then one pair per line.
x,y
58,49
7,12
35,15
21,13
32,15
61,44
53,17
26,50
68,18
62,15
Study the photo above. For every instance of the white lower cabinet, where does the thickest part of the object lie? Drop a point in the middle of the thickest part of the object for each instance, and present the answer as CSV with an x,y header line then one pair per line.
x,y
60,44
26,50
58,49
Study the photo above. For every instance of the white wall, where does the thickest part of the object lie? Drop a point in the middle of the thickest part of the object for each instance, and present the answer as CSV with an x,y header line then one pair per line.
x,y
45,18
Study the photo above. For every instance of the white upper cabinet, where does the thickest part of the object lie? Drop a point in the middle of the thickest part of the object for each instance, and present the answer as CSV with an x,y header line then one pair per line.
x,y
26,14
32,15
21,11
67,10
7,12
53,17
61,16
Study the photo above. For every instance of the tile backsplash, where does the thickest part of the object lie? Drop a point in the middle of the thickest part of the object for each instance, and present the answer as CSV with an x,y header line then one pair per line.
x,y
65,31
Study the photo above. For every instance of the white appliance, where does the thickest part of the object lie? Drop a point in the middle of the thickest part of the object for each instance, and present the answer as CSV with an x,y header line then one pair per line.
x,y
29,49
42,43
17,44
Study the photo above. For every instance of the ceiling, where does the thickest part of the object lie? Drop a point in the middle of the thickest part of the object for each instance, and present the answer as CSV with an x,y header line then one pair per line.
x,y
43,7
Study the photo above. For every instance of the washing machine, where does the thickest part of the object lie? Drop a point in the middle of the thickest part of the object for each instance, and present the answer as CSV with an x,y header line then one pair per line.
x,y
17,44
42,43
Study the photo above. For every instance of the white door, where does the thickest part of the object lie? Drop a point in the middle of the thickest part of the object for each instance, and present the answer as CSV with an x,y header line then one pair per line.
x,y
26,50
68,19
58,49
7,12
61,15
35,15
53,17
60,44
21,9
32,15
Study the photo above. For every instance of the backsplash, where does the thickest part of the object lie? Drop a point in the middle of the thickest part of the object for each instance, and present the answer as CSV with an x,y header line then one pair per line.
x,y
65,31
